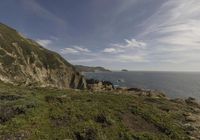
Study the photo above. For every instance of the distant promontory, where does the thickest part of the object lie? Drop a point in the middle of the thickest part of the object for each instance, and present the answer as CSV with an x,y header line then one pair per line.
x,y
125,70
81,68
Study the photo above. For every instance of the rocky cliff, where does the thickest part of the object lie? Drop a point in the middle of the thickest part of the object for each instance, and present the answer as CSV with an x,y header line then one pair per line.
x,y
25,62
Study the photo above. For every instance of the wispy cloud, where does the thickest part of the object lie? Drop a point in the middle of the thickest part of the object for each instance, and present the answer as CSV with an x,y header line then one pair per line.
x,y
54,38
175,23
131,58
36,8
81,49
173,33
129,44
113,50
44,42
170,37
129,51
74,50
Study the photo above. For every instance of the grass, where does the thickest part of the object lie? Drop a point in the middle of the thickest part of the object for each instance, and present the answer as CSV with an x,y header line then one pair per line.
x,y
28,47
51,114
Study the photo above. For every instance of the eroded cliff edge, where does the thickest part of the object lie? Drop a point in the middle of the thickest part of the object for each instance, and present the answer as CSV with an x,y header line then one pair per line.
x,y
25,62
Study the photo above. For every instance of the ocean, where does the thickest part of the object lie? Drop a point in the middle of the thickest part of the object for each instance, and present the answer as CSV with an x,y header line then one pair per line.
x,y
173,84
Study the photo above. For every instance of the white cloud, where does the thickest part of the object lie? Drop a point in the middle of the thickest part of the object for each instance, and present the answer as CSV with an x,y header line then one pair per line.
x,y
133,43
129,44
82,60
175,23
81,49
171,41
75,50
130,51
173,33
113,50
131,58
102,58
69,50
44,42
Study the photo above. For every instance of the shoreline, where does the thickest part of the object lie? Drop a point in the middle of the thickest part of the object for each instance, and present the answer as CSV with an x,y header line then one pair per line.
x,y
174,85
101,85
171,118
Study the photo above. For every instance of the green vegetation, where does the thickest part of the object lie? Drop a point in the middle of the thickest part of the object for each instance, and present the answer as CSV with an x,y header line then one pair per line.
x,y
27,47
53,114
81,68
25,62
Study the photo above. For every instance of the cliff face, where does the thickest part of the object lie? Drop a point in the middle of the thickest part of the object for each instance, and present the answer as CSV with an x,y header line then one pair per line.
x,y
25,62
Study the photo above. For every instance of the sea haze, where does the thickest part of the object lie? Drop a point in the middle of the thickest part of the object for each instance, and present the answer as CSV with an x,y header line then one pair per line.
x,y
174,84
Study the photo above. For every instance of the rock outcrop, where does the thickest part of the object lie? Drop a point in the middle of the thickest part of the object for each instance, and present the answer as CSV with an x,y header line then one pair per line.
x,y
96,85
25,62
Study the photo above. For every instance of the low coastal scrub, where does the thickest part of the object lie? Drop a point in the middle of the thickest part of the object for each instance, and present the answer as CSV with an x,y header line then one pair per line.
x,y
53,114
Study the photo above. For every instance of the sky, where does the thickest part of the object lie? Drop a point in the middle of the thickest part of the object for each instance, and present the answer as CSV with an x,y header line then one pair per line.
x,y
150,35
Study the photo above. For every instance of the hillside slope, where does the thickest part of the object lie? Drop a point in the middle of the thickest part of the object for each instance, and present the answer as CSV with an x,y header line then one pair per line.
x,y
25,62
44,114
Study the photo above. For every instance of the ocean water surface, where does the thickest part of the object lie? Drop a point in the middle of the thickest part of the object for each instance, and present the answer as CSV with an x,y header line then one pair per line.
x,y
173,84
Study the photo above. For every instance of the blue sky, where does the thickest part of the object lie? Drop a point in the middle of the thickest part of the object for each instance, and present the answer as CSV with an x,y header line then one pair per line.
x,y
117,34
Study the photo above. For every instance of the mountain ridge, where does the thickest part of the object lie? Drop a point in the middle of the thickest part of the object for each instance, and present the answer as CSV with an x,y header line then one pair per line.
x,y
25,62
82,68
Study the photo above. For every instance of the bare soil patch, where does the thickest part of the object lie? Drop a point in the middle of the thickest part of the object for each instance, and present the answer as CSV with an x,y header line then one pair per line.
x,y
137,124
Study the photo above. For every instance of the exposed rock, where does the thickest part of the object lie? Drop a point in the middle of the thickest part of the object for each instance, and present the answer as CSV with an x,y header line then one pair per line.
x,y
96,85
190,118
141,92
187,114
192,124
156,94
135,89
192,101
25,62
178,100
122,89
